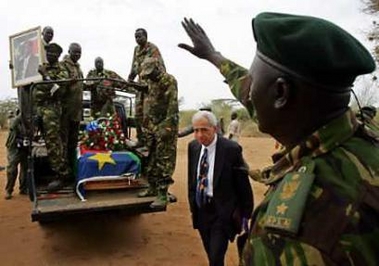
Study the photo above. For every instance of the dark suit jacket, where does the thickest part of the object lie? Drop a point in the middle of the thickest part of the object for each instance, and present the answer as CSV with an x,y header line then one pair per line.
x,y
232,192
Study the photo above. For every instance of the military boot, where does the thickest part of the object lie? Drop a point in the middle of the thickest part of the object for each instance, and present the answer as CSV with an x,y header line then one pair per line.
x,y
161,200
150,192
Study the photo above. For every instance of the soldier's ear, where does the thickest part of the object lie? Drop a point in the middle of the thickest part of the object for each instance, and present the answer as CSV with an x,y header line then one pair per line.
x,y
282,92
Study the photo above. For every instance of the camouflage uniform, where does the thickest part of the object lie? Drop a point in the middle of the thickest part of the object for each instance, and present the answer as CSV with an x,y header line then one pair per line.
x,y
161,130
150,50
102,92
49,107
322,204
72,104
17,155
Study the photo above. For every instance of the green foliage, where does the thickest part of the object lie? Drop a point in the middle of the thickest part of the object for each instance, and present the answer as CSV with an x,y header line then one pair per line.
x,y
6,106
185,118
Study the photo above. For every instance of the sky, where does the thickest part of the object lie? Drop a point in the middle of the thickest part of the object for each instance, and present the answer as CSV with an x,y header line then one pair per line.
x,y
106,28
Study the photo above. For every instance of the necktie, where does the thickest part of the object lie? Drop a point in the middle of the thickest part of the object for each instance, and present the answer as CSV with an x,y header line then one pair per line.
x,y
202,180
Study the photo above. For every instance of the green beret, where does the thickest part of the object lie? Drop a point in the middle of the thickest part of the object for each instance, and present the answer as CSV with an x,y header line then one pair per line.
x,y
311,49
54,48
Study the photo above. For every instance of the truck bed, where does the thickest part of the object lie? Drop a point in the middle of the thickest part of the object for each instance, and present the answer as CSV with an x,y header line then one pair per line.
x,y
56,206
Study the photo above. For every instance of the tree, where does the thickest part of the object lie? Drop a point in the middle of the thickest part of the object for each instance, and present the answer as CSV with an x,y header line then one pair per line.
x,y
372,8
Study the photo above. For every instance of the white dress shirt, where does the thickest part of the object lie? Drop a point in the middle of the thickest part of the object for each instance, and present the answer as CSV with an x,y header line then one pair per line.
x,y
211,161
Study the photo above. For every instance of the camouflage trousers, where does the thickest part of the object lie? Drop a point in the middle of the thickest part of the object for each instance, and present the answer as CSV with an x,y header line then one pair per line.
x,y
51,122
139,118
17,157
70,135
161,161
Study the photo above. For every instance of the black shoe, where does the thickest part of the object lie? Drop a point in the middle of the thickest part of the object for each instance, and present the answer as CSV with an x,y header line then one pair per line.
x,y
55,185
172,198
2,168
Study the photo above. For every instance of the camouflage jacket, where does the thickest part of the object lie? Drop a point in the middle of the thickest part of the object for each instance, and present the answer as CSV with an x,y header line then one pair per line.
x,y
161,111
149,50
72,101
322,205
46,93
103,90
15,133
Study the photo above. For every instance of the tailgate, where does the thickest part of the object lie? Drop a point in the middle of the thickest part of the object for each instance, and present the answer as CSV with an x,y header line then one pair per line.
x,y
56,206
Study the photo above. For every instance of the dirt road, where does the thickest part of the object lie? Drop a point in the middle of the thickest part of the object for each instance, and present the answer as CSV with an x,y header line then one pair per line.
x,y
162,239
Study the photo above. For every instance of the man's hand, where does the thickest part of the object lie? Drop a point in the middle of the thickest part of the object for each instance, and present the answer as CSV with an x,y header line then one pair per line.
x,y
202,46
42,70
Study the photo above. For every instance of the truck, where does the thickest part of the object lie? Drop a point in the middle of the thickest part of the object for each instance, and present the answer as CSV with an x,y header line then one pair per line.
x,y
119,195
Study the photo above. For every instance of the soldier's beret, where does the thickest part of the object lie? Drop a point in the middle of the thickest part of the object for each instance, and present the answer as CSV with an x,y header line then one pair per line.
x,y
148,65
54,47
310,48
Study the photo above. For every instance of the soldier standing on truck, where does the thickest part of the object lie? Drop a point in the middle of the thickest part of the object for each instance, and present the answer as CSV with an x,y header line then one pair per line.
x,y
16,155
102,91
72,104
143,50
47,37
47,100
160,126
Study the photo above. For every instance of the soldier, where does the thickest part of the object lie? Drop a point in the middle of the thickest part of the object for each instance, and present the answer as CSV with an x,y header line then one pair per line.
x,y
47,100
160,127
17,156
47,37
72,103
322,204
143,50
102,92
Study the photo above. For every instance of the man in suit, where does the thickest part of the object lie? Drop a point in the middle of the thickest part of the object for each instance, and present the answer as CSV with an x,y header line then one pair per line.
x,y
219,192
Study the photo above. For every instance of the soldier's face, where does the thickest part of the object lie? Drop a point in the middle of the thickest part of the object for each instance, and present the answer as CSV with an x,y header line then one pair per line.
x,y
48,35
52,57
140,38
262,94
99,64
75,53
204,133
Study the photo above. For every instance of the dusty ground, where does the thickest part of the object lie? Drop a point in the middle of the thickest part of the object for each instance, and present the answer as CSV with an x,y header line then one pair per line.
x,y
150,239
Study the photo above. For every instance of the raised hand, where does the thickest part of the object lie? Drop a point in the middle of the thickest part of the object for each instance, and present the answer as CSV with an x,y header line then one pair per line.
x,y
202,46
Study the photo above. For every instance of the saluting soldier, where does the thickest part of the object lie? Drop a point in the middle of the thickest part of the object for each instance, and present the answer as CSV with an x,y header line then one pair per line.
x,y
48,103
322,203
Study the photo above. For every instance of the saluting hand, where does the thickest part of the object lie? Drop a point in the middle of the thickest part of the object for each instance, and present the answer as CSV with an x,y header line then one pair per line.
x,y
202,46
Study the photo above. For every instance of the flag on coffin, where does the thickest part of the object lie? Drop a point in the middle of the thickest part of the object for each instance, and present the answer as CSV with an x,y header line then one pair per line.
x,y
105,165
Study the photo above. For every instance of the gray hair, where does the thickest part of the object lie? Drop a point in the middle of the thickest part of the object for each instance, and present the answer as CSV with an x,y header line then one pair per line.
x,y
210,117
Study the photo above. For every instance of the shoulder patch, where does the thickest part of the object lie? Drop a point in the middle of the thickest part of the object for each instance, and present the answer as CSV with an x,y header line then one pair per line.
x,y
286,207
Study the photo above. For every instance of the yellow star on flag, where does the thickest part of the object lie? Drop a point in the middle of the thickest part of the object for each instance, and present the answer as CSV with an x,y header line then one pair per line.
x,y
281,209
102,158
